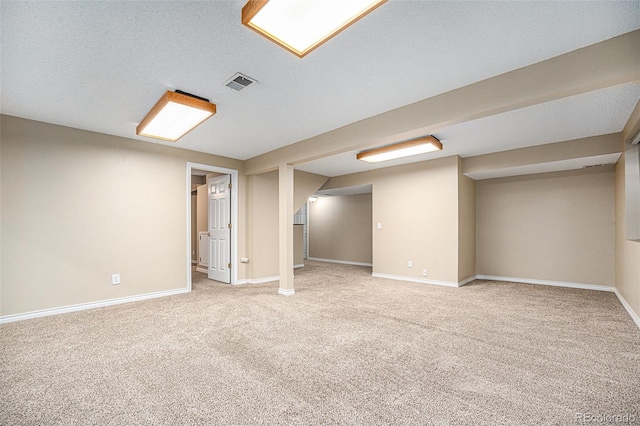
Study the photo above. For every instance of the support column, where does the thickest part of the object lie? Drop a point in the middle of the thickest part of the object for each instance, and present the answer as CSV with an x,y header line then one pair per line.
x,y
285,228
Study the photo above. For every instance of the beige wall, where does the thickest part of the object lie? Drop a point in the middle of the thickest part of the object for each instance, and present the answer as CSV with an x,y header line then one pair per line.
x,y
195,182
79,206
263,225
298,241
417,205
262,213
466,225
553,226
627,252
194,224
304,186
340,228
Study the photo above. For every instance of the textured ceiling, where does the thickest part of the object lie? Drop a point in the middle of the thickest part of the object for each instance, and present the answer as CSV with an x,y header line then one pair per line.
x,y
101,66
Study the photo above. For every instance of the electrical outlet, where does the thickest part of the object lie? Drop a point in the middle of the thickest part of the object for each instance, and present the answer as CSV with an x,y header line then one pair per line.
x,y
410,264
379,226
244,260
424,272
115,279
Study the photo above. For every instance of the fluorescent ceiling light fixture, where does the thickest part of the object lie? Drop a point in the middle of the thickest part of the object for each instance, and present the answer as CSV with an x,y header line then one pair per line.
x,y
301,26
175,115
402,149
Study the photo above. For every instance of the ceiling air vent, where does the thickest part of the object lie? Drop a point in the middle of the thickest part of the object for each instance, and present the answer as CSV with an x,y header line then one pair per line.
x,y
239,82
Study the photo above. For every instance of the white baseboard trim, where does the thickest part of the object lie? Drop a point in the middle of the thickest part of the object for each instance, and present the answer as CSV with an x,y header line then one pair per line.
x,y
200,269
627,307
545,282
415,280
286,292
344,262
258,280
298,266
90,305
466,281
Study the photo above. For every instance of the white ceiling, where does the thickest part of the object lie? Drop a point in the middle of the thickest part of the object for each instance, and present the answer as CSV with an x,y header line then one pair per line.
x,y
101,66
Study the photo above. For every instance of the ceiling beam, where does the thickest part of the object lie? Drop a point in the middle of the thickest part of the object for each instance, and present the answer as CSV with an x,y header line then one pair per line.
x,y
552,152
605,64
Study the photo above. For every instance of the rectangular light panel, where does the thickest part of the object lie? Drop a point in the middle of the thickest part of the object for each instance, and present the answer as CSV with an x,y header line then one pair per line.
x,y
399,150
301,26
174,115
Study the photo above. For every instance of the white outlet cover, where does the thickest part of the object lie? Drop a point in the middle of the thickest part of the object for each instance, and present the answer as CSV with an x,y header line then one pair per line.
x,y
115,279
379,226
410,264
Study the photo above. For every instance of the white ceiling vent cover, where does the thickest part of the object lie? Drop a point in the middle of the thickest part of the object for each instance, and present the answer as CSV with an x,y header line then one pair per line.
x,y
239,82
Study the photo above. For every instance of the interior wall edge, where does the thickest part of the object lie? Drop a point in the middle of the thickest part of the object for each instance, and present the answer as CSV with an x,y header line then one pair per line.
x,y
634,316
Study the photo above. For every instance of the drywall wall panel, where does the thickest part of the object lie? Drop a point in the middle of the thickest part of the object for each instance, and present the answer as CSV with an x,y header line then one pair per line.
x,y
263,196
340,228
298,240
627,252
466,225
202,213
416,206
553,226
78,206
262,199
304,186
632,191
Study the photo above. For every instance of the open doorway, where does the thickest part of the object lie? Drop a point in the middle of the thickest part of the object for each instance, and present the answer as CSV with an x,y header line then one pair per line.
x,y
220,185
340,228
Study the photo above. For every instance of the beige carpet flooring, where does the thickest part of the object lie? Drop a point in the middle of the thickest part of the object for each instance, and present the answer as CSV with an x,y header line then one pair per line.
x,y
346,349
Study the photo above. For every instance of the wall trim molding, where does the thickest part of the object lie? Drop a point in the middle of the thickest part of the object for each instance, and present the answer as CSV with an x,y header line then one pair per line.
x,y
286,291
258,280
344,262
298,266
415,280
199,269
90,305
545,282
627,307
467,281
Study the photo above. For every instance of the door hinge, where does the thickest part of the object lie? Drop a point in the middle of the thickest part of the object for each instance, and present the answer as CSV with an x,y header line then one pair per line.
x,y
229,186
229,226
229,266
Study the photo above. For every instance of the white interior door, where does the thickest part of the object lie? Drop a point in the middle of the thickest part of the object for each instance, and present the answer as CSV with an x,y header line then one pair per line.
x,y
219,228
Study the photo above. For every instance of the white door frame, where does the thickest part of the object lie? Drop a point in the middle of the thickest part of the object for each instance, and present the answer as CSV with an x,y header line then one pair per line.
x,y
234,216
